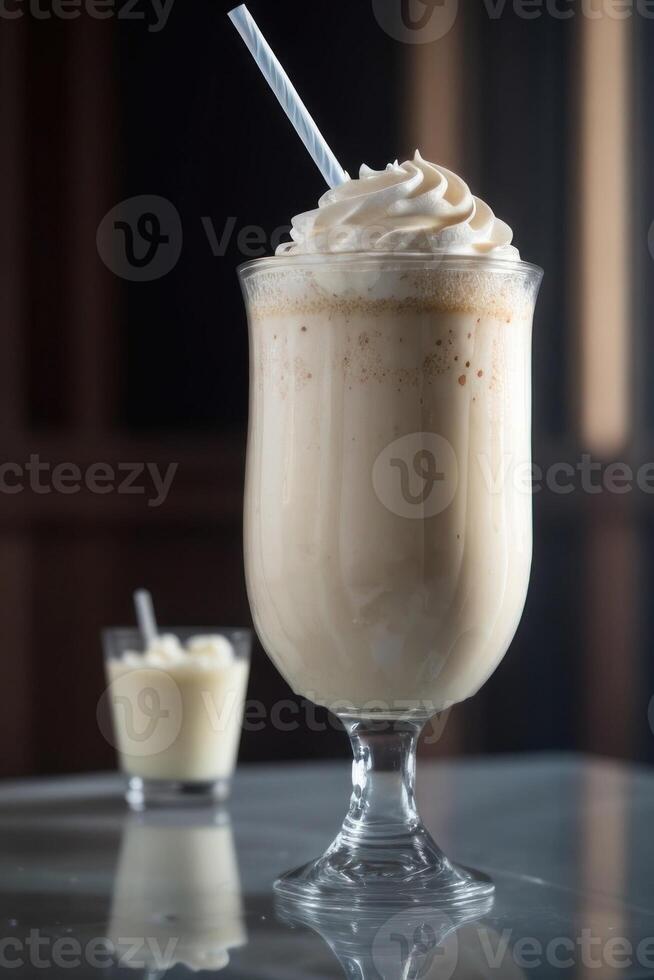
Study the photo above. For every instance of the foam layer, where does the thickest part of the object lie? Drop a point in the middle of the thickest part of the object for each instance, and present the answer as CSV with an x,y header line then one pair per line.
x,y
375,291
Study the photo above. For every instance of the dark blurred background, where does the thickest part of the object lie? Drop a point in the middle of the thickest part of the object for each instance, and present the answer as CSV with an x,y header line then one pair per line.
x,y
545,115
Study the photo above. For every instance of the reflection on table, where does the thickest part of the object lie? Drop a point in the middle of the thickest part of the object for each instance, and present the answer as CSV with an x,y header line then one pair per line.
x,y
177,893
399,943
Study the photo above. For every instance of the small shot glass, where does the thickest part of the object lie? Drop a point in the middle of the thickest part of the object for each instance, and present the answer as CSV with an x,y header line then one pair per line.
x,y
177,711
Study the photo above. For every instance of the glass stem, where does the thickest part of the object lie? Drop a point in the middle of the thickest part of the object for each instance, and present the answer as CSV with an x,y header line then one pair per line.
x,y
383,805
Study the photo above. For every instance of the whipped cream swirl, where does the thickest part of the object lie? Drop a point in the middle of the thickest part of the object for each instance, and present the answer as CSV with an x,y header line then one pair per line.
x,y
410,207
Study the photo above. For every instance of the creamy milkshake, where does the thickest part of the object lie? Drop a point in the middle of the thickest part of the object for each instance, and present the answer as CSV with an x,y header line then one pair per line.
x,y
388,520
388,501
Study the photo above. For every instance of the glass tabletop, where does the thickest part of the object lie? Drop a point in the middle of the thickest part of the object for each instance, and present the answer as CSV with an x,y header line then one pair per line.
x,y
89,889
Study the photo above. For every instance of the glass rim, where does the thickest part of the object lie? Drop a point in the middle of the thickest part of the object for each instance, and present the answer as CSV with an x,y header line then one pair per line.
x,y
452,260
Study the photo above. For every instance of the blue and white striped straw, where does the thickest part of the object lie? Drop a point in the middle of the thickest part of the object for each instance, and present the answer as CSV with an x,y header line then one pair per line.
x,y
288,97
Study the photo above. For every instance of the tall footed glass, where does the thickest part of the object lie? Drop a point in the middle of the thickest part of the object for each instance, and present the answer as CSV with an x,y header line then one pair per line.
x,y
388,531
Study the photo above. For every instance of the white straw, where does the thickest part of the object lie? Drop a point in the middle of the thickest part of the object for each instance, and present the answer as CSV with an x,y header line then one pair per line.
x,y
145,616
288,97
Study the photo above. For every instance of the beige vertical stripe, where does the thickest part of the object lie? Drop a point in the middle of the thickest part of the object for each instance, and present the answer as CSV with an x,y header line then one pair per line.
x,y
434,125
604,370
604,242
435,99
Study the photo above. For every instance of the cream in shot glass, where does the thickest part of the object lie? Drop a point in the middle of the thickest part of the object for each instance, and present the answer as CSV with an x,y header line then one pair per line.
x,y
177,710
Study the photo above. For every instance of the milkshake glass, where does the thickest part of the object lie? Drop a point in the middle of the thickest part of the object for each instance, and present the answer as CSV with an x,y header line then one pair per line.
x,y
388,532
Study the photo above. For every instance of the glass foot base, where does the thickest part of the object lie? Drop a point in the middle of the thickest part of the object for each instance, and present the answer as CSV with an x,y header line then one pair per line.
x,y
392,879
384,857
391,941
144,793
